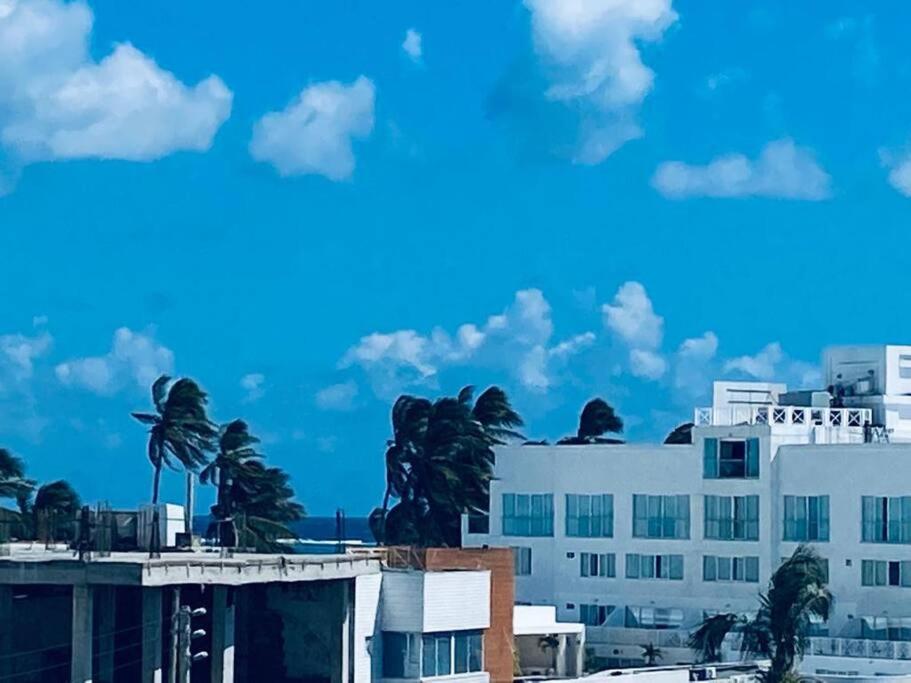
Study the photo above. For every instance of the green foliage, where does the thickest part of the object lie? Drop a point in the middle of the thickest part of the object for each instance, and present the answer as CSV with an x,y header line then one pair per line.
x,y
706,640
780,631
682,434
651,654
597,418
439,464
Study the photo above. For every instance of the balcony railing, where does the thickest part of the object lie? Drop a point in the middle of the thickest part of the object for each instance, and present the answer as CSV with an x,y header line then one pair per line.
x,y
863,648
783,415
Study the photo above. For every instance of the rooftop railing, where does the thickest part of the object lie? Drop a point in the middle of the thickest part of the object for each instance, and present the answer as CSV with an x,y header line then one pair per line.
x,y
858,647
783,415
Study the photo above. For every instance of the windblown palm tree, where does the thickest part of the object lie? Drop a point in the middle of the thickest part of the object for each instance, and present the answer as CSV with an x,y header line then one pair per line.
x,y
597,419
180,432
651,654
257,496
706,641
682,434
439,464
16,486
55,508
797,594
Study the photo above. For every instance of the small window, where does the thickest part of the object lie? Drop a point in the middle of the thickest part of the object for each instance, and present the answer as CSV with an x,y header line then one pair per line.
x,y
732,460
521,558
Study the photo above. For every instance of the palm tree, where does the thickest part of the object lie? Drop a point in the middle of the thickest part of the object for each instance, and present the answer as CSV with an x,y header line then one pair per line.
x,y
179,432
597,418
797,594
57,504
651,654
682,434
15,485
706,640
551,642
262,499
439,464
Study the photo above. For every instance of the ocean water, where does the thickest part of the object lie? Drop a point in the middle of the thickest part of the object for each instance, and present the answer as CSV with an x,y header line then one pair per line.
x,y
315,534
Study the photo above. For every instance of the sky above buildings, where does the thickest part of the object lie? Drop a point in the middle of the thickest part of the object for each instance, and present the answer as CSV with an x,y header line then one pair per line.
x,y
313,207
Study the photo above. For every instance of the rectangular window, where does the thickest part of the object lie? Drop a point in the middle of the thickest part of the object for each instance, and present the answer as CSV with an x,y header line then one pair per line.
x,y
521,559
885,519
885,573
640,566
661,516
528,514
594,615
437,654
732,518
806,518
595,564
590,516
730,458
400,655
469,652
745,569
653,617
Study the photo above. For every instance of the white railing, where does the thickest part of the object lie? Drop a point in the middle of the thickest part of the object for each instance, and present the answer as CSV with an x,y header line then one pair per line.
x,y
860,647
783,415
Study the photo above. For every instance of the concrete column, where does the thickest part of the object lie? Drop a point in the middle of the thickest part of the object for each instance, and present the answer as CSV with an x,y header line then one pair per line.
x,y
81,653
223,617
151,635
580,655
6,631
561,656
106,616
340,653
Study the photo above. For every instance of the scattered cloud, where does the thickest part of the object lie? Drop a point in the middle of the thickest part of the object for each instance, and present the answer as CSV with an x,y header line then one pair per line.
x,y
771,364
722,79
314,133
337,396
17,356
632,317
253,383
694,364
782,171
136,359
59,103
518,341
591,59
899,165
647,364
413,45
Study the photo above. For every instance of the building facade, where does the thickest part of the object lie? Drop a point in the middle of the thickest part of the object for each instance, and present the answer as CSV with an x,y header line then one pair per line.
x,y
641,542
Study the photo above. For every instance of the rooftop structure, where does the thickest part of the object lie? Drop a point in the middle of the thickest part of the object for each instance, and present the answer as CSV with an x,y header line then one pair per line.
x,y
641,542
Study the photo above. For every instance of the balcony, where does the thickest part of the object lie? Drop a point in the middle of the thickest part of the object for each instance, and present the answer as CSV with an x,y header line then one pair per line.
x,y
783,415
860,648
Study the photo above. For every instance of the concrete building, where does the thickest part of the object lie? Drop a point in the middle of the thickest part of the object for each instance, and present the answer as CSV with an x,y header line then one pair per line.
x,y
334,618
640,542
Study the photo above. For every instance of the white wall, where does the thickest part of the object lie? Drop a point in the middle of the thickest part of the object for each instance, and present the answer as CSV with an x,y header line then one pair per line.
x,y
366,631
428,602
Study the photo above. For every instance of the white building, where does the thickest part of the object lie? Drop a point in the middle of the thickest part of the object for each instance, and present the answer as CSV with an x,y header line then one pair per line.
x,y
640,542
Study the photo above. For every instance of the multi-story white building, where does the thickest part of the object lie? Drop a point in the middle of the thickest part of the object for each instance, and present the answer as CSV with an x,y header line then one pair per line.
x,y
640,542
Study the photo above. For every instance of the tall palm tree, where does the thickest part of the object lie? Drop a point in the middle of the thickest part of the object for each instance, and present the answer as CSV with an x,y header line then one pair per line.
x,y
56,504
439,464
16,486
180,432
797,594
262,500
706,641
597,419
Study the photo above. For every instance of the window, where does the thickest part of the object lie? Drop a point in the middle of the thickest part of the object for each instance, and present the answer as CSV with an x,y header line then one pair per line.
x,y
745,569
885,628
886,520
521,559
469,652
661,516
653,617
730,458
590,516
478,523
654,567
885,573
594,564
436,659
806,518
594,615
732,518
527,514
401,655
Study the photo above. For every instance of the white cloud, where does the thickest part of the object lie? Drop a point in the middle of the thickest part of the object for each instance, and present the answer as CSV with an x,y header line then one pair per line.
x,y
314,133
413,45
632,317
694,364
58,103
253,383
763,365
135,359
900,176
518,341
590,49
782,170
647,364
337,396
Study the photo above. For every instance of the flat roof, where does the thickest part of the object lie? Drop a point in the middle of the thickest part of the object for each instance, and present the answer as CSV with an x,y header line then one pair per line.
x,y
34,564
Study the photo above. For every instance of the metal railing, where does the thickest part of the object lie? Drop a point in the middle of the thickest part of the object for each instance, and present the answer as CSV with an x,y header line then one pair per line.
x,y
783,415
860,647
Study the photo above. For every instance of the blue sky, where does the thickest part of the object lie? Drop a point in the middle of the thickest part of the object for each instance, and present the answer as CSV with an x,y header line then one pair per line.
x,y
309,210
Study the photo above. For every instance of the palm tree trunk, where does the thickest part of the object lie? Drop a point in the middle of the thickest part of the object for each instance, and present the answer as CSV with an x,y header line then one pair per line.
x,y
188,516
155,531
156,484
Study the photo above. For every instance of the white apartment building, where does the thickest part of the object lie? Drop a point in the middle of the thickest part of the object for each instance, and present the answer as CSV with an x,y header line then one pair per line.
x,y
641,542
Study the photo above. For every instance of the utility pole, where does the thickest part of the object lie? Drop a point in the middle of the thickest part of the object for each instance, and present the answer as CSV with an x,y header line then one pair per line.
x,y
187,635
